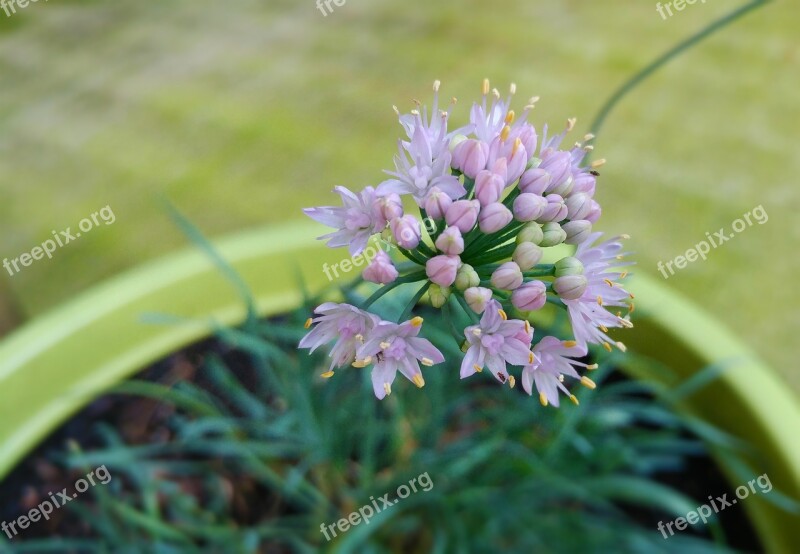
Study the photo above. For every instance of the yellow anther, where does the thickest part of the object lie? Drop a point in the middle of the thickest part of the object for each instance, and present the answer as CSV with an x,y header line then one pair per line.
x,y
517,146
510,117
502,314
419,381
603,328
426,362
504,133
384,345
307,324
588,383
531,357
436,84
387,388
623,274
327,374
417,321
485,87
592,367
622,347
477,368
527,326
571,123
511,381
607,346
598,163
609,282
574,399
543,399
599,300
512,88
569,344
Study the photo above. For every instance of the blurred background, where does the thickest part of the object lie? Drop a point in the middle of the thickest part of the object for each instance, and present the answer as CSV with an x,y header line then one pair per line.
x,y
243,112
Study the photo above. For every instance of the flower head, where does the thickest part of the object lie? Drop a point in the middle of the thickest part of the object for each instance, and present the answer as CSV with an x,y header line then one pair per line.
x,y
392,347
588,313
553,361
355,222
494,342
346,324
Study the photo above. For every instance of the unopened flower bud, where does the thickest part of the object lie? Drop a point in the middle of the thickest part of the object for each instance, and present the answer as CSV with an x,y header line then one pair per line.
x,y
463,214
488,187
477,298
470,157
389,207
553,234
437,203
532,232
558,165
570,287
442,269
467,277
534,181
507,277
406,231
577,231
568,266
585,183
450,241
563,188
438,295
494,217
556,209
578,206
456,140
528,207
380,269
527,255
594,213
530,296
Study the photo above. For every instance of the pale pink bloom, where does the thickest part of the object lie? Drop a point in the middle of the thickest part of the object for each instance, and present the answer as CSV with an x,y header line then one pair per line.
x,y
355,222
380,270
345,324
552,360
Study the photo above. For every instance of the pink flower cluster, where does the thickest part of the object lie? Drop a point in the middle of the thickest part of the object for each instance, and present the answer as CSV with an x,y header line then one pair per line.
x,y
499,197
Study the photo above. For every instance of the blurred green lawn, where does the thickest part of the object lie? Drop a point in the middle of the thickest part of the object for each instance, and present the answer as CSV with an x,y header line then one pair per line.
x,y
242,113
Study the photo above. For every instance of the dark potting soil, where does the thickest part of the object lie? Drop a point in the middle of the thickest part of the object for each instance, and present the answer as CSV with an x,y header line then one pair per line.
x,y
143,421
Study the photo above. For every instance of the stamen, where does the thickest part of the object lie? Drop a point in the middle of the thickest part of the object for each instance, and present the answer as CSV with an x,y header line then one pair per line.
x,y
485,87
359,337
588,136
588,148
510,117
327,375
623,274
307,324
388,388
626,323
496,94
622,347
416,322
415,112
477,368
395,110
571,123
607,346
503,315
504,133
599,300
517,145
631,308
385,345
436,84
592,367
598,163
543,399
609,282
531,357
512,89
560,378
527,326
574,399
476,331
419,381
603,328
426,361
569,344
588,383
362,363
511,381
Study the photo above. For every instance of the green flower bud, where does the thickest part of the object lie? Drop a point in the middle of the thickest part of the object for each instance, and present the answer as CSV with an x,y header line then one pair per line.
x,y
553,234
438,295
527,255
568,266
570,287
531,232
467,277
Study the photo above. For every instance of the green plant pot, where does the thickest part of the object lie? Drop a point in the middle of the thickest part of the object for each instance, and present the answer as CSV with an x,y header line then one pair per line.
x,y
56,364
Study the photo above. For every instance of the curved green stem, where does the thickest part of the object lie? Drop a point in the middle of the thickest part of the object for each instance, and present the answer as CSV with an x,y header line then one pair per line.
x,y
620,93
410,278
